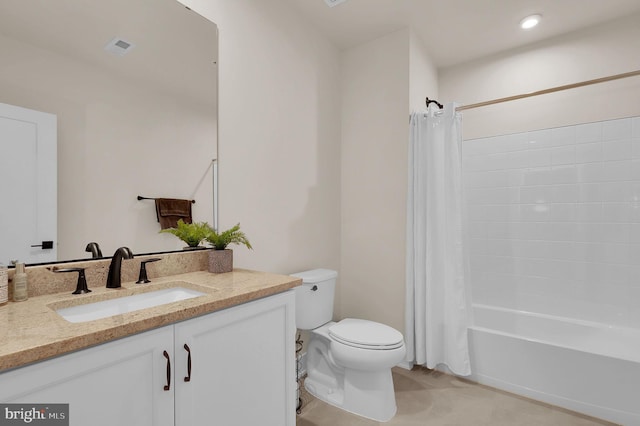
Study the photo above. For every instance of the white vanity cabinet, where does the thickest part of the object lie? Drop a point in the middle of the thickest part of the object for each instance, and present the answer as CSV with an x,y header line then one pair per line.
x,y
117,383
242,373
242,366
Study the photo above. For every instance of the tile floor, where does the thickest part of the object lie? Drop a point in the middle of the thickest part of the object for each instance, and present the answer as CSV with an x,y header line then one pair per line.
x,y
426,397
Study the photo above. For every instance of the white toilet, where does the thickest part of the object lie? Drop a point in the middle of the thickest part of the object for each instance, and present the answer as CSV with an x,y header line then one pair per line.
x,y
348,362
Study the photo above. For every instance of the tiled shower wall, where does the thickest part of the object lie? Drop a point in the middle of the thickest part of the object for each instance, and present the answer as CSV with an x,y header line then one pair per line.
x,y
554,220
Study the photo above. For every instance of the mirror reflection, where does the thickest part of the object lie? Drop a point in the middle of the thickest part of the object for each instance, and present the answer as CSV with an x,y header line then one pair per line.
x,y
131,90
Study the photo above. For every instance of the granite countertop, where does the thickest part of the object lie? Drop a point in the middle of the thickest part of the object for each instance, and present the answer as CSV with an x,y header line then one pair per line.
x,y
32,331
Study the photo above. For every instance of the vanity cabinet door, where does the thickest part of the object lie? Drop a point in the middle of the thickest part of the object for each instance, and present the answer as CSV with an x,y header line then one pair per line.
x,y
117,383
242,365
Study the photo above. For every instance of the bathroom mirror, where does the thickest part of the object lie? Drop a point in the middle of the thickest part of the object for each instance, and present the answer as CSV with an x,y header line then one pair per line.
x,y
133,85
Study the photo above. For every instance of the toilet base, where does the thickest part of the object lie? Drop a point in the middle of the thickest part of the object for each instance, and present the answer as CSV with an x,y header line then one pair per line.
x,y
361,384
365,393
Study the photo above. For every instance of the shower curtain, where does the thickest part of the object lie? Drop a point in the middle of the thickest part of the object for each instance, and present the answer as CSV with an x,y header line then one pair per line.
x,y
436,300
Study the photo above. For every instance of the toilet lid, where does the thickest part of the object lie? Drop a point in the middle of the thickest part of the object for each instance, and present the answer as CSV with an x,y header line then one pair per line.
x,y
366,334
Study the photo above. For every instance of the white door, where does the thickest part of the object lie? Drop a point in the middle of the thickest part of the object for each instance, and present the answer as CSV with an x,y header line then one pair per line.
x,y
28,184
242,363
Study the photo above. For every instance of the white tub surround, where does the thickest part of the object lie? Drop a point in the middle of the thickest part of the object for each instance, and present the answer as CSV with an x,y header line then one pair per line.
x,y
554,221
554,225
579,365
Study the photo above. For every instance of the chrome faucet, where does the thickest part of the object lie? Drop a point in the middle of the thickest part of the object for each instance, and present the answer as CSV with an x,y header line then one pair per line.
x,y
114,277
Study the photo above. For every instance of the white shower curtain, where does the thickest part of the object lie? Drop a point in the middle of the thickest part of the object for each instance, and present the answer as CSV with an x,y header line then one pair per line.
x,y
436,303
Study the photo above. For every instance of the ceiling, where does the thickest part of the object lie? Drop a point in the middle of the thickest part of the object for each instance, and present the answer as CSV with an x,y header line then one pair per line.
x,y
457,31
166,36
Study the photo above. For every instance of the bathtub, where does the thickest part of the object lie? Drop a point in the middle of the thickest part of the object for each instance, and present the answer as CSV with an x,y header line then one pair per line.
x,y
587,367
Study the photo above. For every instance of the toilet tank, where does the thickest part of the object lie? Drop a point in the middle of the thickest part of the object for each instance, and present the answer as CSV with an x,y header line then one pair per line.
x,y
314,298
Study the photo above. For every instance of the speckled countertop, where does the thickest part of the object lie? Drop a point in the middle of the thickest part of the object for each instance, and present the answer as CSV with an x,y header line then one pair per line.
x,y
32,331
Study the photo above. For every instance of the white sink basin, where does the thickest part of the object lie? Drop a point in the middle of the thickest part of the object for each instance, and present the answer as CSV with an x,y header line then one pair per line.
x,y
122,305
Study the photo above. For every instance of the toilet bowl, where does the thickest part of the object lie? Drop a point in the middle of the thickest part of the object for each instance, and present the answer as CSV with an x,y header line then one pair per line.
x,y
348,362
365,345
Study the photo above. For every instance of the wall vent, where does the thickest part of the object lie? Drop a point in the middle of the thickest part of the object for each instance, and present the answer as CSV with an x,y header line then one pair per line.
x,y
119,46
332,3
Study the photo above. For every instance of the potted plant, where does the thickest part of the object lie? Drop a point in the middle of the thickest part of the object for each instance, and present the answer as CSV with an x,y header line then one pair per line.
x,y
191,233
221,258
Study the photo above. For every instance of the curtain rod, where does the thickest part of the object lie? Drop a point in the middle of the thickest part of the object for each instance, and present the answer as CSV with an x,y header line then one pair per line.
x,y
550,90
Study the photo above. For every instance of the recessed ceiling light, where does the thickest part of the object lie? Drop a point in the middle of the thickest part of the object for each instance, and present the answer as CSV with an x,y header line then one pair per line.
x,y
530,21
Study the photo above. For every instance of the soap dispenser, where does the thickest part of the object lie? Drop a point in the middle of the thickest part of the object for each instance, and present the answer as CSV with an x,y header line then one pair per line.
x,y
20,284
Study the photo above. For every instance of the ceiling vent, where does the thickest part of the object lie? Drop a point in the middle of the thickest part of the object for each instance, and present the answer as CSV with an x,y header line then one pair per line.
x,y
332,3
119,47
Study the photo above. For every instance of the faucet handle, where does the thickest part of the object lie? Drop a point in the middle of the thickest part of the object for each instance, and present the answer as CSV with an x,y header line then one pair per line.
x,y
142,277
81,286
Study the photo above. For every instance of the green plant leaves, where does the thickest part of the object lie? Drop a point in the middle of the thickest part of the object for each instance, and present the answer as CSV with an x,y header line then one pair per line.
x,y
221,240
191,233
194,233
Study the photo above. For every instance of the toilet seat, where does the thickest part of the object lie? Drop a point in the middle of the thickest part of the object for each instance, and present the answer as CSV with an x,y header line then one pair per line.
x,y
366,334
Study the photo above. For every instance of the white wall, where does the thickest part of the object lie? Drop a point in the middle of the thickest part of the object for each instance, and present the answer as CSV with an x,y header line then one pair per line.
x,y
423,75
310,191
552,212
375,107
600,51
279,139
379,81
305,198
